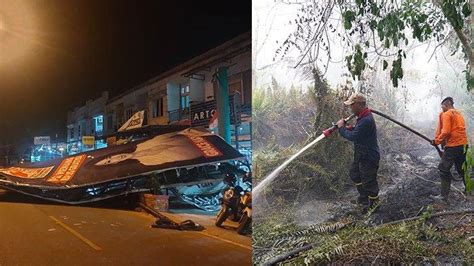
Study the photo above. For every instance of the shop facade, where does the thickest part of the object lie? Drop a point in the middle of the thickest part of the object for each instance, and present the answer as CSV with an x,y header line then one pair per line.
x,y
173,98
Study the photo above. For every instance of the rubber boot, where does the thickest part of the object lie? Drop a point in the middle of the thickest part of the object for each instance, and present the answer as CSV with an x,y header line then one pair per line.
x,y
373,206
445,186
360,201
444,196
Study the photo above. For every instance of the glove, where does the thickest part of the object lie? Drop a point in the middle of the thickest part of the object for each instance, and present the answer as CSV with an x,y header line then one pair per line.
x,y
433,142
443,144
340,123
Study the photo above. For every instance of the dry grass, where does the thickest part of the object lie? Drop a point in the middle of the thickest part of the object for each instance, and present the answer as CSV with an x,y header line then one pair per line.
x,y
414,242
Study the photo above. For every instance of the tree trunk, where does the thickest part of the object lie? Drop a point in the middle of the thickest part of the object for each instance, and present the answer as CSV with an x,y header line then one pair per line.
x,y
464,39
466,43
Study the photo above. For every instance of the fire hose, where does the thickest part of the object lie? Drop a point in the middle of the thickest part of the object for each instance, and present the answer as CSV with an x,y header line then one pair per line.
x,y
440,153
328,131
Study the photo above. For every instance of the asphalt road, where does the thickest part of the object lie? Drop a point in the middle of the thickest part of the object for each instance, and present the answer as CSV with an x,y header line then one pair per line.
x,y
36,232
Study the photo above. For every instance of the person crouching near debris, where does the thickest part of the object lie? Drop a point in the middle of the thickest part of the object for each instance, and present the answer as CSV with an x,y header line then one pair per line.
x,y
450,133
364,169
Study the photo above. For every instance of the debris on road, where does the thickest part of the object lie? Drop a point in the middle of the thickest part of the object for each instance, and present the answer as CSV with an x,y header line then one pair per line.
x,y
164,222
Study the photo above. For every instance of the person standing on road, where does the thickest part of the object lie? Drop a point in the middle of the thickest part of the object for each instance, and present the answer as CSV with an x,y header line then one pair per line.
x,y
451,134
364,169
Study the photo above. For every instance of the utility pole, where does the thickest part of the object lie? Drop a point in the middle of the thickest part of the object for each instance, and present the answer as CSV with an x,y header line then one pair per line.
x,y
221,89
236,119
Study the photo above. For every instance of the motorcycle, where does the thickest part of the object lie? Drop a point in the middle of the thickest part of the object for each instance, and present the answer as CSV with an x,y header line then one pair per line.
x,y
237,202
245,222
230,202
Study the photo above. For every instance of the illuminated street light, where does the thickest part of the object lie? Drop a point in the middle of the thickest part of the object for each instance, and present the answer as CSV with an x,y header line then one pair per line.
x,y
18,28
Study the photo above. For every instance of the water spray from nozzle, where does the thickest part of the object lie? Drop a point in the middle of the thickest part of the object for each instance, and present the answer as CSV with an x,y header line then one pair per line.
x,y
275,172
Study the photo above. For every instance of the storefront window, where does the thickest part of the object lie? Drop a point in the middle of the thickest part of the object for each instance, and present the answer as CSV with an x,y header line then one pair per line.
x,y
71,133
128,113
99,125
73,147
100,144
110,122
185,98
158,107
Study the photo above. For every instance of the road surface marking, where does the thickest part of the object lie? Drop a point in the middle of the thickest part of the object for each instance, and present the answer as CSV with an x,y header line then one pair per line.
x,y
227,241
76,234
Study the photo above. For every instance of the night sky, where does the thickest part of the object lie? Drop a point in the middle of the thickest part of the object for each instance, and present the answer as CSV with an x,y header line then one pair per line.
x,y
56,54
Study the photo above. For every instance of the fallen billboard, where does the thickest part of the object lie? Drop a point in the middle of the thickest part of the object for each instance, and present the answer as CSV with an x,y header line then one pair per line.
x,y
116,170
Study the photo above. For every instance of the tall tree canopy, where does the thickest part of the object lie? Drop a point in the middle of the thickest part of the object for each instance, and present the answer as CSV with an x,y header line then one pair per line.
x,y
384,29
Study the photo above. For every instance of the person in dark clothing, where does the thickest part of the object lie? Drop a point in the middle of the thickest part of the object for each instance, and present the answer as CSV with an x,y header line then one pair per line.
x,y
364,169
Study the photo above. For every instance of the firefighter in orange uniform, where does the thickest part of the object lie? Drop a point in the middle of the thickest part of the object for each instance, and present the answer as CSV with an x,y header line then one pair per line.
x,y
451,134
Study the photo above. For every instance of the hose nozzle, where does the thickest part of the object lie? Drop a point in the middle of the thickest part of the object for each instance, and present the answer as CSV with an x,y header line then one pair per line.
x,y
333,128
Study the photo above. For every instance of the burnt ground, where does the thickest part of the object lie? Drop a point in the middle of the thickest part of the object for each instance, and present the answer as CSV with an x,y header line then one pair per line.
x,y
406,181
